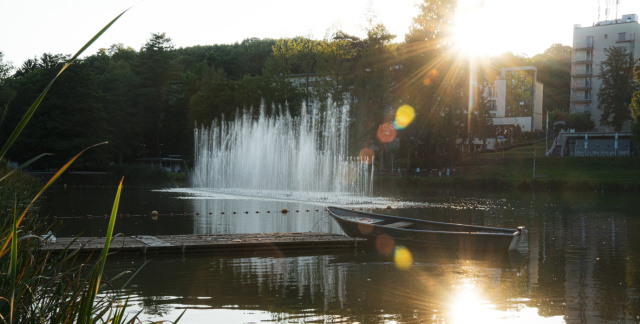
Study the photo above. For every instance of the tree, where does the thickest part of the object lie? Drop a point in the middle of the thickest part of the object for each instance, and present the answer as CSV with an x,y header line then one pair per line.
x,y
5,68
635,105
159,77
6,91
616,88
554,71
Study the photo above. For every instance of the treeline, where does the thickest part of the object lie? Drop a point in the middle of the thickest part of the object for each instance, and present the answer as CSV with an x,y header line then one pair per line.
x,y
147,102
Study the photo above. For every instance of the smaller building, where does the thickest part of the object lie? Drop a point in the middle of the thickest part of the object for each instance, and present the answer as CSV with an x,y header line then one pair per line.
x,y
593,144
515,100
166,164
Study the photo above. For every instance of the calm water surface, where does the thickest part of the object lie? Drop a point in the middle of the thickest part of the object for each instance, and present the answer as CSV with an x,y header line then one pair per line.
x,y
580,264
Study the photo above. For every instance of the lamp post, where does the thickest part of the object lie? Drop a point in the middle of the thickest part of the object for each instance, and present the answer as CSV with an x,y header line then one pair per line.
x,y
534,164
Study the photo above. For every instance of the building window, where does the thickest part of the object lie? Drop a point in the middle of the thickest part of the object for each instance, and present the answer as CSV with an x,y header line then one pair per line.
x,y
622,36
589,41
587,82
590,55
587,94
588,68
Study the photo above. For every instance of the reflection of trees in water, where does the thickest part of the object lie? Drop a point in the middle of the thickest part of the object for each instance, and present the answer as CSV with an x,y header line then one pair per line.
x,y
582,264
363,288
584,270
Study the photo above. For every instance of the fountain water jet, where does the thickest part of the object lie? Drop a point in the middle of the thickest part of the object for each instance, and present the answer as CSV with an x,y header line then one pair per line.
x,y
281,153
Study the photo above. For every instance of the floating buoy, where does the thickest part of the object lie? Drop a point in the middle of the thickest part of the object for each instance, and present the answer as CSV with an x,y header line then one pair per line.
x,y
120,215
54,216
284,210
388,206
154,215
307,210
89,216
257,212
297,211
105,215
210,213
171,214
222,213
234,213
268,212
197,214
128,215
184,214
246,212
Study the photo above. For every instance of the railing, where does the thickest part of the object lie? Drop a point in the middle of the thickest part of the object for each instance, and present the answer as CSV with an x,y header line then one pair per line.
x,y
580,86
580,99
579,153
582,46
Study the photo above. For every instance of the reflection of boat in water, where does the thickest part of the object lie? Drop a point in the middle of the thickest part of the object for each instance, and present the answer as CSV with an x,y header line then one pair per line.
x,y
385,230
512,260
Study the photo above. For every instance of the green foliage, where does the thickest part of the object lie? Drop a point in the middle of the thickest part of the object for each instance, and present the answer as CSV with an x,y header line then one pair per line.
x,y
635,105
616,88
577,121
554,72
37,286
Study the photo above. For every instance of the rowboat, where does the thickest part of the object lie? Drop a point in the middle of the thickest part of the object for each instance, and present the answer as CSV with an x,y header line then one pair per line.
x,y
385,230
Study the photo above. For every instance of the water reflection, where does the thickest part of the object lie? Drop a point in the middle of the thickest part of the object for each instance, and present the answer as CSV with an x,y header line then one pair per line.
x,y
352,287
580,264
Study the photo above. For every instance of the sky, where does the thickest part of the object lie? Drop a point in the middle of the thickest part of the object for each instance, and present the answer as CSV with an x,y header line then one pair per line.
x,y
29,28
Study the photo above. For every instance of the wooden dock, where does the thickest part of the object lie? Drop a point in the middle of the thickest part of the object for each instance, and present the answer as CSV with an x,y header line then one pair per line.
x,y
144,244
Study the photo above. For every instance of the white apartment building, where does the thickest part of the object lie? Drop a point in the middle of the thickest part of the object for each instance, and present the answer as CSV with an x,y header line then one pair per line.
x,y
589,50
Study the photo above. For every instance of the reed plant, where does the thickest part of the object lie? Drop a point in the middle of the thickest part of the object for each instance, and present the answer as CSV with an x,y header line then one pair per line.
x,y
42,287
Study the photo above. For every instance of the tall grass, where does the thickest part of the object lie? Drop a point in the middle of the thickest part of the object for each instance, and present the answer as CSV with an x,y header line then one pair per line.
x,y
38,287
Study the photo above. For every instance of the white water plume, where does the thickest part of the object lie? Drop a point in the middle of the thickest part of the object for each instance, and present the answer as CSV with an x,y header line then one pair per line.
x,y
281,153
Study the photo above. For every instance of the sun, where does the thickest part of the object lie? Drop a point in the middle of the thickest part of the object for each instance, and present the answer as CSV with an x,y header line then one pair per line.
x,y
477,30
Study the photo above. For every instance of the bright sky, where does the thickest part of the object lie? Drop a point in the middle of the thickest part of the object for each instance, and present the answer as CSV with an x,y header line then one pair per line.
x,y
29,28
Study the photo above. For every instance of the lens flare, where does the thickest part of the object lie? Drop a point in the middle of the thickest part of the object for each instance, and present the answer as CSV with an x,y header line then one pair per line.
x,y
366,155
386,133
404,116
402,258
431,77
385,244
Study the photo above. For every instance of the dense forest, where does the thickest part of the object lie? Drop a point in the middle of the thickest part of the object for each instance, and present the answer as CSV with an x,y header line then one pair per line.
x,y
147,102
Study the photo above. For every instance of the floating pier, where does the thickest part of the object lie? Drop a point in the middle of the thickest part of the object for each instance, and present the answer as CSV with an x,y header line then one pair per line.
x,y
308,241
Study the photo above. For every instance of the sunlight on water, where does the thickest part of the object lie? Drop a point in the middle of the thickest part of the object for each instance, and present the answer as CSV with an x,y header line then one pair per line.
x,y
470,305
313,198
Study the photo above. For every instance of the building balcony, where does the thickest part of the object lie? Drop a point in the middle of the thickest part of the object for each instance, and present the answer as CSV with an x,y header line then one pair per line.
x,y
581,100
581,85
582,74
583,61
582,46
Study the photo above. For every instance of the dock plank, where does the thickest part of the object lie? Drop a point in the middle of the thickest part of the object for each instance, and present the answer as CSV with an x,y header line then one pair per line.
x,y
208,242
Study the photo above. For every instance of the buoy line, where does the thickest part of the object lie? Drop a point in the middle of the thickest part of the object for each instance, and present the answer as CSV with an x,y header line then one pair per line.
x,y
155,214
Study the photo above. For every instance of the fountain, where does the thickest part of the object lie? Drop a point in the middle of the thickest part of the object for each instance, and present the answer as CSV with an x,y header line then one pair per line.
x,y
281,156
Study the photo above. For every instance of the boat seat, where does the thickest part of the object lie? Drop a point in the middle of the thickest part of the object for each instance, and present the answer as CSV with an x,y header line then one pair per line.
x,y
400,224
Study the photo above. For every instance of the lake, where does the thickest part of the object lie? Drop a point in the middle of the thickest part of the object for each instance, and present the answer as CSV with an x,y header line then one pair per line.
x,y
579,264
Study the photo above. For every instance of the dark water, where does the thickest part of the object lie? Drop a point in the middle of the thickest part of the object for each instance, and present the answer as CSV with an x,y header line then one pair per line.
x,y
581,263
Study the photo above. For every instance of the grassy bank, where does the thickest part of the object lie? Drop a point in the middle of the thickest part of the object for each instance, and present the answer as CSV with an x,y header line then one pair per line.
x,y
514,169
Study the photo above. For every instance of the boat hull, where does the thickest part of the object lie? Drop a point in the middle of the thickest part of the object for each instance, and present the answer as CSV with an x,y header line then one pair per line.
x,y
461,238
